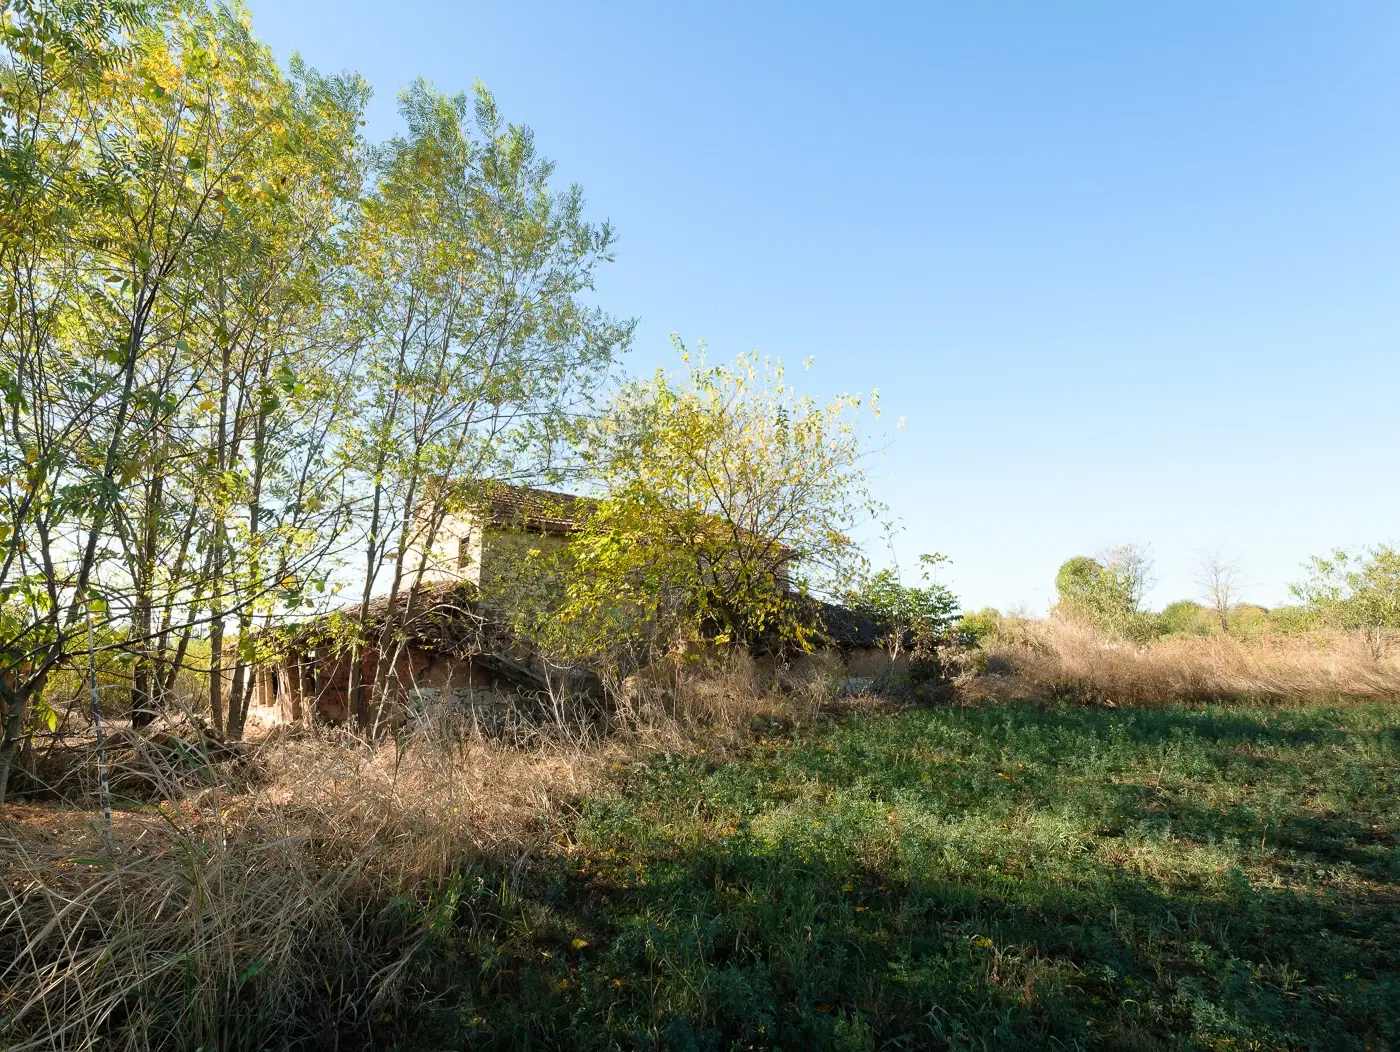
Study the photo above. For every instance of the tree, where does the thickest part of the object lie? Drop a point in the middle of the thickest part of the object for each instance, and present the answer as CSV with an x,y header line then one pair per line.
x,y
1183,617
1107,592
1219,579
909,616
223,360
276,359
244,178
479,350
727,498
169,196
71,333
1356,591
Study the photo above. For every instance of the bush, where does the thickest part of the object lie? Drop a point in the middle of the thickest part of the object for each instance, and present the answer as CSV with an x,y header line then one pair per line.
x,y
1356,591
1107,595
1292,619
911,618
1250,621
980,626
1184,618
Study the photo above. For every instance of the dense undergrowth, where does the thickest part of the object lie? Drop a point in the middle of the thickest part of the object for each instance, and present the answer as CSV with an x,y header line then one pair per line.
x,y
1032,875
1055,658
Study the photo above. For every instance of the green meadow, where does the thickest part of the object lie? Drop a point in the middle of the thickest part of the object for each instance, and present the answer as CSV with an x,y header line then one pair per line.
x,y
985,877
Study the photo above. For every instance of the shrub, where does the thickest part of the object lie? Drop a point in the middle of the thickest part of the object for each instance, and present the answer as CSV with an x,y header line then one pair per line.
x,y
913,619
1357,591
1184,618
1250,621
1293,618
980,626
1107,594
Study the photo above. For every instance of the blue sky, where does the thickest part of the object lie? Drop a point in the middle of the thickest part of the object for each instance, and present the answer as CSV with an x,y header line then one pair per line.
x,y
1130,272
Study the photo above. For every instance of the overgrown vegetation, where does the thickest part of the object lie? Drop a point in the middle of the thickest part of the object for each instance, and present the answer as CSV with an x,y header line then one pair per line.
x,y
727,498
1018,876
237,342
248,358
1107,593
1354,592
1052,658
913,620
250,361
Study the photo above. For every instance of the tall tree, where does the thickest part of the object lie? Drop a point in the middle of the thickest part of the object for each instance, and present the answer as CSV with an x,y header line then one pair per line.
x,y
1219,578
72,326
727,498
481,349
172,200
279,360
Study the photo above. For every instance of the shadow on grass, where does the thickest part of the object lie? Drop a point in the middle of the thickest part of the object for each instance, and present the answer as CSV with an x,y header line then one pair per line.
x,y
876,887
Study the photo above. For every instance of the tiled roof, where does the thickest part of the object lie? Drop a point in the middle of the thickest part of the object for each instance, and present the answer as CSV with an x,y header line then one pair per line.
x,y
444,618
538,509
846,629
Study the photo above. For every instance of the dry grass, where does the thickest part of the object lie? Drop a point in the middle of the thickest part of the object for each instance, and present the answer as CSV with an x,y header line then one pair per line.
x,y
1053,658
717,698
254,915
284,896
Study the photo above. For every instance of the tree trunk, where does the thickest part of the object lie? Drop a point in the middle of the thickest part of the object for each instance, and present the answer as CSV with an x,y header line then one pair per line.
x,y
296,685
16,706
143,709
238,699
216,674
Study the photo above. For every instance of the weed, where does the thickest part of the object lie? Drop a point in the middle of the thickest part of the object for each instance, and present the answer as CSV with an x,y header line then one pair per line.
x,y
1012,876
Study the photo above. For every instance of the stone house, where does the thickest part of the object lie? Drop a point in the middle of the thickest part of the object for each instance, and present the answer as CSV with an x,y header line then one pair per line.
x,y
448,650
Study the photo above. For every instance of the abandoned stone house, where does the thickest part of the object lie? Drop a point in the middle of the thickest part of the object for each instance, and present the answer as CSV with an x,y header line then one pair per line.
x,y
448,651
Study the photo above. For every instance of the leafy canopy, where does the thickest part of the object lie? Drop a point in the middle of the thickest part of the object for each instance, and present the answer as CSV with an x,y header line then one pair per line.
x,y
1107,593
909,615
727,498
1357,591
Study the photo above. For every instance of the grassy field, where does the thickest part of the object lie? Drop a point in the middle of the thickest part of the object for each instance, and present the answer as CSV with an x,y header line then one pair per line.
x,y
1011,875
986,877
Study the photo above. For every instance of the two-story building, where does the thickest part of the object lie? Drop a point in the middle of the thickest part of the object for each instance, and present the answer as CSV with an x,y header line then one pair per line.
x,y
449,650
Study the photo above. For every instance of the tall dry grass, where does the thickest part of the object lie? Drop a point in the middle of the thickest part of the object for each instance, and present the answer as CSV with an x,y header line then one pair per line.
x,y
254,915
1055,658
715,698
285,896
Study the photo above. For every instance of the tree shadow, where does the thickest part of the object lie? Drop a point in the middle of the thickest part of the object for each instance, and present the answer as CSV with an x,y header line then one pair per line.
x,y
741,945
682,925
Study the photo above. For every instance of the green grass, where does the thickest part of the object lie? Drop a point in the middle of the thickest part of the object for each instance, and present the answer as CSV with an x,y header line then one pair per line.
x,y
967,878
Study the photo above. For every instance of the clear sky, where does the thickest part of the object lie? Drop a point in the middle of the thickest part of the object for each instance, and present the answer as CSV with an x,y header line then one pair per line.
x,y
1131,272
